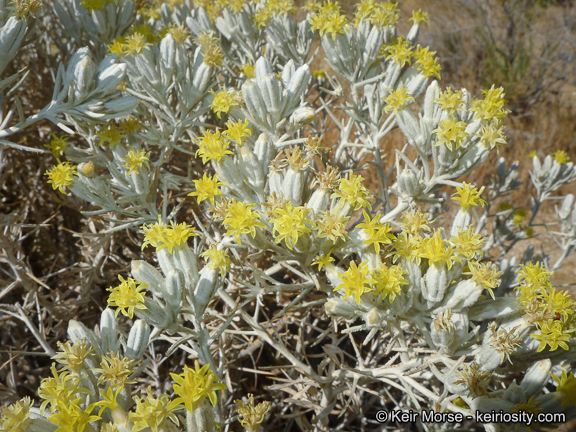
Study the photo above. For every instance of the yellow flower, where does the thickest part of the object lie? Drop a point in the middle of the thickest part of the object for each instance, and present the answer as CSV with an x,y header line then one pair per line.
x,y
57,145
14,416
290,223
389,281
273,8
110,134
177,234
211,147
179,33
567,387
115,370
400,51
414,222
108,399
207,188
385,14
397,100
252,414
319,74
223,101
536,275
451,101
323,260
468,244
364,11
94,4
469,196
329,20
376,232
492,107
134,161
419,17
408,247
484,275
135,44
150,13
146,31
61,175
213,55
491,136
451,133
518,216
61,390
218,259
248,70
127,296
154,234
163,236
437,250
332,225
237,131
72,417
117,46
353,192
193,385
533,154
561,157
130,125
73,356
427,63
553,334
356,281
154,413
560,303
241,219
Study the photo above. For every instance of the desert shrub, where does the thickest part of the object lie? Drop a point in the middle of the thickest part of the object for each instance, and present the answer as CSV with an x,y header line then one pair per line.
x,y
274,240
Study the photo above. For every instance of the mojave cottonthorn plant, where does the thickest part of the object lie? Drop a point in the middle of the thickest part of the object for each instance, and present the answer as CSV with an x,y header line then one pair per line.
x,y
284,218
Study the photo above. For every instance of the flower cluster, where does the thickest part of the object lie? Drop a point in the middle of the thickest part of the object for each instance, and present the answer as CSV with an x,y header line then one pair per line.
x,y
170,236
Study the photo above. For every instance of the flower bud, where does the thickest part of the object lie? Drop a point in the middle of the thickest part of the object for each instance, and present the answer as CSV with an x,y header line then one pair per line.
x,y
78,331
137,340
373,318
188,264
264,151
145,272
110,77
462,221
293,186
173,289
566,209
165,260
409,125
494,309
109,332
409,183
270,90
338,307
11,36
250,168
319,200
462,296
536,377
86,169
302,116
436,279
205,289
